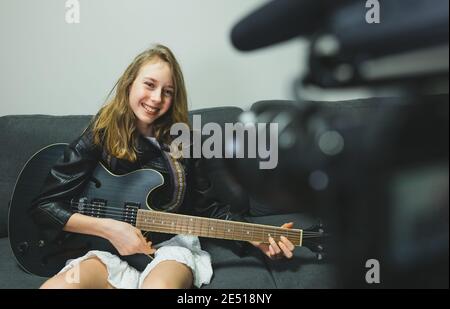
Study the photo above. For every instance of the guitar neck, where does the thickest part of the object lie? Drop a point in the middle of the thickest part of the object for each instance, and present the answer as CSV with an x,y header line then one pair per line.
x,y
163,222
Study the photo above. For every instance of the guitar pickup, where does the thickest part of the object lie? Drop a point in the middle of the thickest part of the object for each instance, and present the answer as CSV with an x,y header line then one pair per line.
x,y
97,208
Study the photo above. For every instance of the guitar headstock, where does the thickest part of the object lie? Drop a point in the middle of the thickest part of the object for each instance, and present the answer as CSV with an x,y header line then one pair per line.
x,y
313,238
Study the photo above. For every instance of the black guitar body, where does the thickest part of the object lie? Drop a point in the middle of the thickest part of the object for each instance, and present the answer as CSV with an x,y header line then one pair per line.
x,y
114,196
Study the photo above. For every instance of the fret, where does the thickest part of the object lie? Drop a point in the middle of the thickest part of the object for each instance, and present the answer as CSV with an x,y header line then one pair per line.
x,y
217,228
239,231
159,221
153,220
190,226
184,224
230,231
177,225
258,235
156,221
222,229
192,223
266,233
189,223
213,229
198,226
235,231
245,234
172,222
207,228
248,233
186,228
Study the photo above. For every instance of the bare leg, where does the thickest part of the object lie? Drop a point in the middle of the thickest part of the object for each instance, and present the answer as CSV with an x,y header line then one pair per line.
x,y
90,274
169,275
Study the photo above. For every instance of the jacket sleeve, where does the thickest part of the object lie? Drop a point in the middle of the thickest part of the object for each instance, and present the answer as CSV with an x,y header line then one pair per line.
x,y
205,202
51,208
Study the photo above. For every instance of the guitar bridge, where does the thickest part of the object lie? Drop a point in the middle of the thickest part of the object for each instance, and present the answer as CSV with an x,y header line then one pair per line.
x,y
97,208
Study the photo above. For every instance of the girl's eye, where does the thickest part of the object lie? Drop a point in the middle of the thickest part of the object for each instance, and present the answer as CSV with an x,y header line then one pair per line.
x,y
168,93
150,85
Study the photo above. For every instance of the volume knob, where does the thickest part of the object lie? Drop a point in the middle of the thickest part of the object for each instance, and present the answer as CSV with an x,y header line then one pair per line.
x,y
23,247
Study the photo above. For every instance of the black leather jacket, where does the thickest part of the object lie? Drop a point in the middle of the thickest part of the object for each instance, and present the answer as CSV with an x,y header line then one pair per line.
x,y
68,176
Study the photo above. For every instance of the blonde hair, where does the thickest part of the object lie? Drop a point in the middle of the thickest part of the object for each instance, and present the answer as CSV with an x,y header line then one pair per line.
x,y
114,127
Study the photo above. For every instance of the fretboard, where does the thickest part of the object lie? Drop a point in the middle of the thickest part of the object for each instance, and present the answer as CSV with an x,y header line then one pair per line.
x,y
163,222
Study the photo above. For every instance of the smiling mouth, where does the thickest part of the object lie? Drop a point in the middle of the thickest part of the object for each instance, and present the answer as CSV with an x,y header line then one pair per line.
x,y
149,109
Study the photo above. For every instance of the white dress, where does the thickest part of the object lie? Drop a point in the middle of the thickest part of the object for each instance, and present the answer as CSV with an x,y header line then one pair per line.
x,y
181,248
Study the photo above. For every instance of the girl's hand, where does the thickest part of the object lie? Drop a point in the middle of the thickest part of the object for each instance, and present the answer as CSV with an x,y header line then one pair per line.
x,y
126,238
283,248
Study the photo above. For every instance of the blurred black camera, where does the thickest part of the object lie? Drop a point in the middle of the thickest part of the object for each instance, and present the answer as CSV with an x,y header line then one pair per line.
x,y
376,171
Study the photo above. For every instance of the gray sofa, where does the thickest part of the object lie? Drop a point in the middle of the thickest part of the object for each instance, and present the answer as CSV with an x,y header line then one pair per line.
x,y
22,135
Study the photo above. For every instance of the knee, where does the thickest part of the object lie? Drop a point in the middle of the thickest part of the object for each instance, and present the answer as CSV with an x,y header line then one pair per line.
x,y
169,274
90,273
159,283
54,283
48,285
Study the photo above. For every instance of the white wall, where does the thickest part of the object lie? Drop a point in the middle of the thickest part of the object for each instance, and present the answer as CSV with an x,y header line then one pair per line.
x,y
51,67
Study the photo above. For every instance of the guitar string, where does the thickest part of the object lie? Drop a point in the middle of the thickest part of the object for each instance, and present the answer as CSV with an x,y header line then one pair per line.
x,y
131,214
120,214
206,229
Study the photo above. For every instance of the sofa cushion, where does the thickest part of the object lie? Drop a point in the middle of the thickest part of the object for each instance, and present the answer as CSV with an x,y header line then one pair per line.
x,y
224,186
22,136
235,272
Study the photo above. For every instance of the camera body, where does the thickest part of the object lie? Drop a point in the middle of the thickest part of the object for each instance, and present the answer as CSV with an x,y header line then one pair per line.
x,y
377,177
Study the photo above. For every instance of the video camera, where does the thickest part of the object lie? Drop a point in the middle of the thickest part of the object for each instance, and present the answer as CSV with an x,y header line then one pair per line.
x,y
378,172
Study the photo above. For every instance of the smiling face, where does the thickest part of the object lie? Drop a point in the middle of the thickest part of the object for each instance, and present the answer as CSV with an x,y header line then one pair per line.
x,y
151,94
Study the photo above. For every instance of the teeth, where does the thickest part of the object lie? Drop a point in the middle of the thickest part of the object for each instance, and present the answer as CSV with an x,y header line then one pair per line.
x,y
150,109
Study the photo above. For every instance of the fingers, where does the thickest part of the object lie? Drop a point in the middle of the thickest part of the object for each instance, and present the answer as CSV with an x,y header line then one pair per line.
x,y
287,253
146,246
271,252
141,237
287,243
255,243
152,250
275,250
288,225
283,247
274,246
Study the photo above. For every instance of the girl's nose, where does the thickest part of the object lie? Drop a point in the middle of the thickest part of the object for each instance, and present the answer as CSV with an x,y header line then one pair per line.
x,y
156,96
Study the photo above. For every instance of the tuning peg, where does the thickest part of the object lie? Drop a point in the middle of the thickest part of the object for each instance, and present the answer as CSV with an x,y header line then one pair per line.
x,y
318,227
320,257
